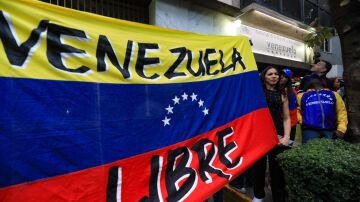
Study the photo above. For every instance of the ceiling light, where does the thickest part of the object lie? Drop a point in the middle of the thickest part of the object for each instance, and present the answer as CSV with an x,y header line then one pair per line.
x,y
237,22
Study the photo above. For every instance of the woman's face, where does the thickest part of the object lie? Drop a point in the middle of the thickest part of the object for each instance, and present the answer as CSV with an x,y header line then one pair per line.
x,y
337,83
271,77
283,79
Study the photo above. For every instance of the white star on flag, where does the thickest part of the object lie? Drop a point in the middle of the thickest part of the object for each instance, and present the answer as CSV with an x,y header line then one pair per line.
x,y
176,100
185,96
193,97
201,103
205,111
169,109
166,121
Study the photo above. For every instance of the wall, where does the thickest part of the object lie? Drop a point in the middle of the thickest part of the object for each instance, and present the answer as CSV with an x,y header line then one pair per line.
x,y
334,57
187,16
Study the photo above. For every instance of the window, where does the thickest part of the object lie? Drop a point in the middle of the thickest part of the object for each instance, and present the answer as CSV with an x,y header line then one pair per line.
x,y
270,3
244,3
326,46
310,12
132,10
313,1
292,8
324,18
334,32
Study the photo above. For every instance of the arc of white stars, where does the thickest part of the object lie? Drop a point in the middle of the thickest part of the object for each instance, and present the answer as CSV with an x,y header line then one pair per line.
x,y
176,100
201,103
205,111
193,97
185,96
169,109
166,121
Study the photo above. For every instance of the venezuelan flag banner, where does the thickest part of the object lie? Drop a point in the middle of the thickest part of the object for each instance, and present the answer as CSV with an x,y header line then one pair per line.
x,y
99,109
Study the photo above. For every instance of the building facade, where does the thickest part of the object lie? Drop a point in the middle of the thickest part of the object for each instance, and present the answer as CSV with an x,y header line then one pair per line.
x,y
276,28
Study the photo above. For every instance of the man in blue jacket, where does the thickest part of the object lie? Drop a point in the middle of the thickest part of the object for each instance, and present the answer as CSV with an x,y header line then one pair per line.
x,y
321,112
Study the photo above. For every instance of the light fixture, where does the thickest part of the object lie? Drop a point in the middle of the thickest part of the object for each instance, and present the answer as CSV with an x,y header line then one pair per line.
x,y
237,21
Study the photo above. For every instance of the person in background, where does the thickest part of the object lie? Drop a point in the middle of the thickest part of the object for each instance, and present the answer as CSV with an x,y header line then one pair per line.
x,y
285,85
279,109
296,87
321,112
318,71
339,86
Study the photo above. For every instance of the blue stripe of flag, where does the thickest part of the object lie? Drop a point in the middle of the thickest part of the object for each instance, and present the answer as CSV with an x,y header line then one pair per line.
x,y
48,128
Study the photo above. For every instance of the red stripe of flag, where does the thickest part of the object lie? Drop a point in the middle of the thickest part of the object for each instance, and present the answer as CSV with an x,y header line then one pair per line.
x,y
162,175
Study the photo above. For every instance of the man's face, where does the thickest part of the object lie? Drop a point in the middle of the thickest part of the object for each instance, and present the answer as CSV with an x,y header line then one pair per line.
x,y
318,67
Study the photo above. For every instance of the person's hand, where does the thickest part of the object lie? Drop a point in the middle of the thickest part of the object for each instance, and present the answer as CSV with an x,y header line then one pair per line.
x,y
338,134
284,141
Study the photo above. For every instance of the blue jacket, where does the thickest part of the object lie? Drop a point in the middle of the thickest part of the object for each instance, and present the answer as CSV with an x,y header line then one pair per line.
x,y
322,109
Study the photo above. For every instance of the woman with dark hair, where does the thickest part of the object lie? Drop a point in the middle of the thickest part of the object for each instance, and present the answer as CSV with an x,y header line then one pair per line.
x,y
279,108
339,87
285,86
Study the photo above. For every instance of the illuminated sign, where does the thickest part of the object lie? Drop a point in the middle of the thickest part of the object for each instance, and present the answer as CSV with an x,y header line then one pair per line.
x,y
267,43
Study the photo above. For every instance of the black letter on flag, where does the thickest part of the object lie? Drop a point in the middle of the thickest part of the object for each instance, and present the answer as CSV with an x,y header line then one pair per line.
x,y
154,186
201,71
178,169
236,57
223,68
55,48
142,61
170,73
113,191
209,63
225,150
18,54
104,48
206,160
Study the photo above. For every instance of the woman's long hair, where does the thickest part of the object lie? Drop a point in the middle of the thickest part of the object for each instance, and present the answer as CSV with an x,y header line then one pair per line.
x,y
286,88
